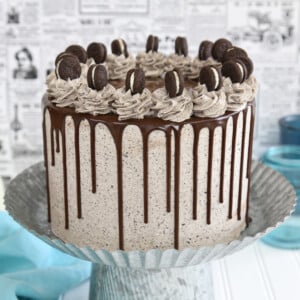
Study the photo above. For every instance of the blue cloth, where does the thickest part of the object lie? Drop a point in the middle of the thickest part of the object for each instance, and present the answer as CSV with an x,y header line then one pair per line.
x,y
29,268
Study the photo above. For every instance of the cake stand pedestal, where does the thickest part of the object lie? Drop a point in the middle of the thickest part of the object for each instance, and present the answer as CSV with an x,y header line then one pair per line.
x,y
153,274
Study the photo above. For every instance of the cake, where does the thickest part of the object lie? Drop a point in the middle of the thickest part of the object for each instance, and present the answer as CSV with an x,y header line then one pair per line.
x,y
139,157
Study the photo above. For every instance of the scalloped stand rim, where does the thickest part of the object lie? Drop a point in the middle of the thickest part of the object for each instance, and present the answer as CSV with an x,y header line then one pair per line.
x,y
139,274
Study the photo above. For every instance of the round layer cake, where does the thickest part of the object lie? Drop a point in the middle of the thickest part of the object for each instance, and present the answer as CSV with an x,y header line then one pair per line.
x,y
146,182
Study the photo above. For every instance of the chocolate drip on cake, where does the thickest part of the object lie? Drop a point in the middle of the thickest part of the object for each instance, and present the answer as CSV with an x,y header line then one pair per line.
x,y
58,125
195,170
77,159
224,131
145,159
57,141
52,147
251,135
222,122
168,167
117,133
177,133
46,165
209,173
64,158
242,165
146,126
93,154
233,150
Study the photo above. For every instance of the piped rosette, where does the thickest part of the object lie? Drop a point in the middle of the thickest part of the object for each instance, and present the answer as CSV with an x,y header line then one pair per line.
x,y
151,61
180,59
237,83
173,102
64,84
203,59
208,96
97,95
82,56
120,61
134,101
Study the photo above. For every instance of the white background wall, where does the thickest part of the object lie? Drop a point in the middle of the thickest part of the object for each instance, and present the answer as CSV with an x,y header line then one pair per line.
x,y
267,29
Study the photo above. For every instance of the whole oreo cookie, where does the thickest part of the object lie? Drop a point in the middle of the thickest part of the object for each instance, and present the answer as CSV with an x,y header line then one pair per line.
x,y
181,46
235,69
205,49
63,54
119,47
97,77
211,77
68,67
174,83
219,48
97,51
135,81
152,43
78,51
234,52
249,65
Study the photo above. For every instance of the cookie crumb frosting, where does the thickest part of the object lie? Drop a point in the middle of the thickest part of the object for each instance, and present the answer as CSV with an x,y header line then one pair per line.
x,y
211,97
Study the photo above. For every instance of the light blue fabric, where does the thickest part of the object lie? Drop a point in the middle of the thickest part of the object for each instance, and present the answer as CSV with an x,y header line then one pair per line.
x,y
31,269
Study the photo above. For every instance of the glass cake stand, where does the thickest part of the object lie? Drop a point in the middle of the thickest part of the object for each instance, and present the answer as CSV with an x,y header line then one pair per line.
x,y
153,274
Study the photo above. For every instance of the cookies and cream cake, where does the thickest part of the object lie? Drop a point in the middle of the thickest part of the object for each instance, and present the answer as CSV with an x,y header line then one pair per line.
x,y
139,154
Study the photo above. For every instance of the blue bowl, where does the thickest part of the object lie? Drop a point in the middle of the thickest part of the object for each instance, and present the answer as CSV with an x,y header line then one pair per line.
x,y
290,130
286,160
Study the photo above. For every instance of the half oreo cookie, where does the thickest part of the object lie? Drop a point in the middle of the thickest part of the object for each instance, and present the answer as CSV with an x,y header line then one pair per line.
x,y
78,51
219,48
205,49
97,51
236,70
211,77
152,43
97,77
135,81
174,83
119,47
63,54
68,67
181,46
249,65
234,52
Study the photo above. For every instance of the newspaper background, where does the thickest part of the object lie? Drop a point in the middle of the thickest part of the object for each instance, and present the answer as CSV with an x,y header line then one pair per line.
x,y
33,32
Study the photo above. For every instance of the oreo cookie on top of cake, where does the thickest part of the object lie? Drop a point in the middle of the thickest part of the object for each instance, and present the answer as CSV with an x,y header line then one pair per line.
x,y
219,79
132,155
151,61
180,59
239,84
203,59
134,101
120,61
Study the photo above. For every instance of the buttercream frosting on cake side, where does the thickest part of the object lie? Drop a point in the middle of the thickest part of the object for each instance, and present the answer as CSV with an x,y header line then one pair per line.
x,y
136,168
176,210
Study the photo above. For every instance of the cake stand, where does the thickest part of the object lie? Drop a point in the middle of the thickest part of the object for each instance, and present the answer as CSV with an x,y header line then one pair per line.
x,y
153,274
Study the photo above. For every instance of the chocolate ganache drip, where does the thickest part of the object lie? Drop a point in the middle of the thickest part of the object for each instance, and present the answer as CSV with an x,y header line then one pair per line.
x,y
146,126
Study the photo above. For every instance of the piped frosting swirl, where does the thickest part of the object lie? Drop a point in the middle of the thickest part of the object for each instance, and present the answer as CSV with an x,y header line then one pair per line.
x,y
181,62
208,104
118,66
237,94
95,102
129,106
176,109
197,65
64,92
151,62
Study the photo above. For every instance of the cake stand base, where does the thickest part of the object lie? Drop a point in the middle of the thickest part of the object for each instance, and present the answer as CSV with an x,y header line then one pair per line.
x,y
153,274
115,283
